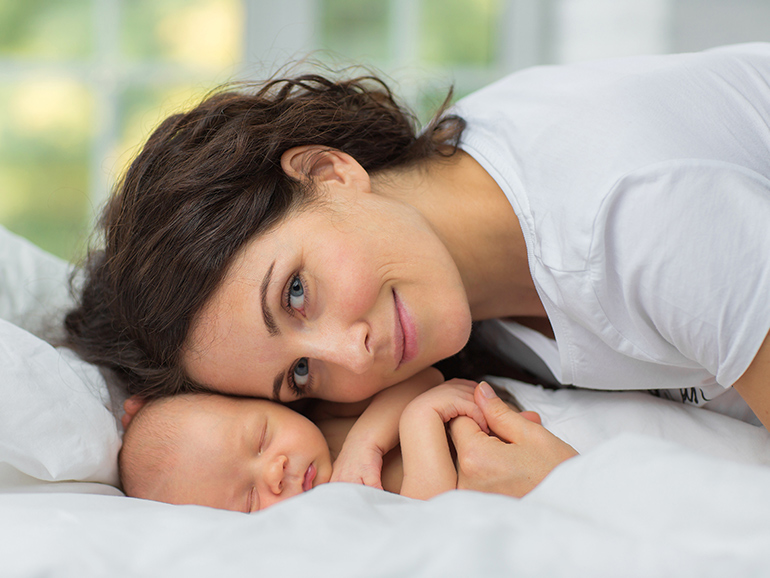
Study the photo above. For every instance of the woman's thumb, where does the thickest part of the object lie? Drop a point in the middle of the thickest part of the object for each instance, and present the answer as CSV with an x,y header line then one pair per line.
x,y
501,419
486,394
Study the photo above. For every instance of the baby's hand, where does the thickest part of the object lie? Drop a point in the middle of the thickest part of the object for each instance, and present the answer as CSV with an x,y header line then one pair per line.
x,y
449,400
358,464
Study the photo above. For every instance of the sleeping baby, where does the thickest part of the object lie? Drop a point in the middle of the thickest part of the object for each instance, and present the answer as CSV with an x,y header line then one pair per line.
x,y
246,454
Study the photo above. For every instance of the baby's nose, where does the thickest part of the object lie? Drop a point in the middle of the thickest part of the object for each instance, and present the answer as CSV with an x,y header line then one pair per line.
x,y
276,474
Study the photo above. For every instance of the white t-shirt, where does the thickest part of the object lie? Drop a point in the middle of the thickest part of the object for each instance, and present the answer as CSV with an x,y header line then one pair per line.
x,y
642,188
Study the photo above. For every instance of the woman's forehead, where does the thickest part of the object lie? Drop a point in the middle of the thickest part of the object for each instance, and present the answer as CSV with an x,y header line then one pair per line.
x,y
239,288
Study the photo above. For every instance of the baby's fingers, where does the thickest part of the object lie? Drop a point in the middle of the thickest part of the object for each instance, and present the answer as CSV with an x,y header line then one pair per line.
x,y
367,476
465,405
373,481
463,430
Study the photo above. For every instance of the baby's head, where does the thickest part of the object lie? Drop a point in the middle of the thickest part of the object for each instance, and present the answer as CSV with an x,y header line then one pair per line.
x,y
225,452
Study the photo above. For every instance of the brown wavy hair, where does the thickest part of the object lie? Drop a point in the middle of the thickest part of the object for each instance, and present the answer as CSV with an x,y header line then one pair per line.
x,y
205,183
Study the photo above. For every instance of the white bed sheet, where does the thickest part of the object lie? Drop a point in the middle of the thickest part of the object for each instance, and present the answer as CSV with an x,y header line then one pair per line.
x,y
634,506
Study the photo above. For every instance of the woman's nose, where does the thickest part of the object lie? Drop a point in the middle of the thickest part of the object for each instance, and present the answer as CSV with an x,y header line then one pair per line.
x,y
347,347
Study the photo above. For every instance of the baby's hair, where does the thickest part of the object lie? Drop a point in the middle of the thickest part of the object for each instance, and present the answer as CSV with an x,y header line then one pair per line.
x,y
150,444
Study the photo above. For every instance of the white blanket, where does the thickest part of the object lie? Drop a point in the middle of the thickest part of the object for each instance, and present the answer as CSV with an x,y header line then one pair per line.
x,y
632,507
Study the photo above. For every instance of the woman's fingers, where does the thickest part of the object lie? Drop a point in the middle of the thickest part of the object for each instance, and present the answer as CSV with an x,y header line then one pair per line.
x,y
532,416
501,419
514,462
484,463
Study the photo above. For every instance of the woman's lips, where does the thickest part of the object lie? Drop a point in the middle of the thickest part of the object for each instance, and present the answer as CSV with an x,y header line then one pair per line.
x,y
307,482
406,335
398,333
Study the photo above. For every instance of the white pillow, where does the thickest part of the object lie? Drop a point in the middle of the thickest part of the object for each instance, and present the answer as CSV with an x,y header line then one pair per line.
x,y
55,421
33,287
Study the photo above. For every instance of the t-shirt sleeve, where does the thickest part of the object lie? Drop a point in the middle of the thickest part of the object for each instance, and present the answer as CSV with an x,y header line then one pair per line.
x,y
680,260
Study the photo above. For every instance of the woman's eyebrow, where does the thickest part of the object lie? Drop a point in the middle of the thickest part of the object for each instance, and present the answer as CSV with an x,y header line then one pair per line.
x,y
272,328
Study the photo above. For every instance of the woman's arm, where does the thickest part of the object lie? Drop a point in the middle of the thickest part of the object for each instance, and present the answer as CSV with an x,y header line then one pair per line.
x,y
375,432
754,385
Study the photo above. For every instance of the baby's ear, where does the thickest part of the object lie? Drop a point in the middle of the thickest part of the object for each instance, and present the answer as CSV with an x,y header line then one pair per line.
x,y
132,405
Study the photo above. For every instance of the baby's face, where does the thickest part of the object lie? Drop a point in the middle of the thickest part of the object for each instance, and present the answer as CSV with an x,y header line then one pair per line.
x,y
242,455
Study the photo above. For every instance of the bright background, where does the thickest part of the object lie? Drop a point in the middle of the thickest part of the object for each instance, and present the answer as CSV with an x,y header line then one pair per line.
x,y
83,82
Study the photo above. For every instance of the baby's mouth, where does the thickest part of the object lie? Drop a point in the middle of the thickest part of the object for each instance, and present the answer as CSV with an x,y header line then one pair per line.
x,y
307,482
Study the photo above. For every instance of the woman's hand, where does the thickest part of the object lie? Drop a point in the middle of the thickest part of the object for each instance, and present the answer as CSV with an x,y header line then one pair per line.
x,y
513,463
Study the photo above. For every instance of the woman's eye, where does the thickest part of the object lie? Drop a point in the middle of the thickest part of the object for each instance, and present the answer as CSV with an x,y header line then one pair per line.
x,y
296,294
301,374
299,379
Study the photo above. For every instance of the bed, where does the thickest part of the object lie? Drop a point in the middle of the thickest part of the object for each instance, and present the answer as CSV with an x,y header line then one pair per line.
x,y
659,489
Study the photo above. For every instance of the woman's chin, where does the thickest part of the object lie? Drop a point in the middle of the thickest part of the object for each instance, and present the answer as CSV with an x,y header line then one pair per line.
x,y
457,334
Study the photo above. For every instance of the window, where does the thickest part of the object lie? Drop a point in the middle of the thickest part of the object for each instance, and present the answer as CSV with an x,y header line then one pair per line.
x,y
82,82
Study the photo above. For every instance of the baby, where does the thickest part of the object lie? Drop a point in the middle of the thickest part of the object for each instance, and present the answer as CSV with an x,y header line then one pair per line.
x,y
246,454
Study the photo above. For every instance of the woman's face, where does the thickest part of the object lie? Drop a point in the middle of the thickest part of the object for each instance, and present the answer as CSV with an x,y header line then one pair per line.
x,y
241,454
343,299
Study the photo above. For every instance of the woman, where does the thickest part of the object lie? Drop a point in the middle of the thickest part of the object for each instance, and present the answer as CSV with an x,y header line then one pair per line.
x,y
303,241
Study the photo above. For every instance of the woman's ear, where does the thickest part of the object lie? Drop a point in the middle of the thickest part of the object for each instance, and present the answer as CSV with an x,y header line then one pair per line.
x,y
321,164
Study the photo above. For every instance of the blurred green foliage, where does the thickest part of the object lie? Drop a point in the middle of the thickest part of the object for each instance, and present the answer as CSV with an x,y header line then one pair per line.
x,y
357,29
452,32
48,111
459,32
194,33
54,29
45,138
